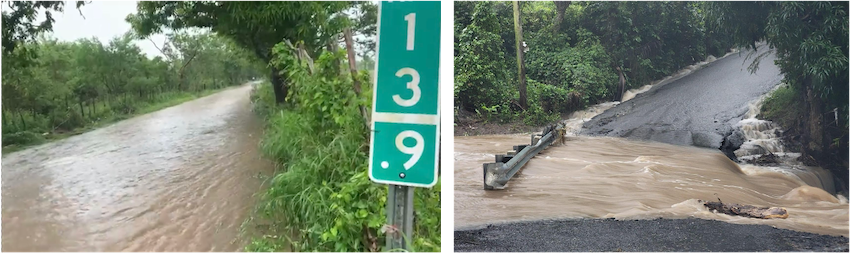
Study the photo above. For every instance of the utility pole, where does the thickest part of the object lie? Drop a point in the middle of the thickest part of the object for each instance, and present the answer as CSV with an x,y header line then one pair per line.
x,y
523,99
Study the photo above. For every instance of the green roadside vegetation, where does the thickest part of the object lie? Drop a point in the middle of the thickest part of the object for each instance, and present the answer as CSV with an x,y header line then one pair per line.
x,y
321,199
576,53
54,89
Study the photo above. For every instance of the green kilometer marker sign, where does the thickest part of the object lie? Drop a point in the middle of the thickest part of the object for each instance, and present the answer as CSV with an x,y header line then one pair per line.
x,y
405,103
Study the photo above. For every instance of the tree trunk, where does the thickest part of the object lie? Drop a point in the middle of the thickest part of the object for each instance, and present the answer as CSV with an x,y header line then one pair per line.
x,y
813,130
82,110
352,66
278,86
622,88
523,100
23,122
815,119
92,108
561,7
333,47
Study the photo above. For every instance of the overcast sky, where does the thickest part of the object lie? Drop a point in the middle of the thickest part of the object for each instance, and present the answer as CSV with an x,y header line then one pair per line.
x,y
103,20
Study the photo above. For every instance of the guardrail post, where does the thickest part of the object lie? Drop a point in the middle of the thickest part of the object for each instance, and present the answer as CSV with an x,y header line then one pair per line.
x,y
497,175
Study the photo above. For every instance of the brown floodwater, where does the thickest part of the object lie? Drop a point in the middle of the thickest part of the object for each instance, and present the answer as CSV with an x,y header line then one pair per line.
x,y
180,179
606,177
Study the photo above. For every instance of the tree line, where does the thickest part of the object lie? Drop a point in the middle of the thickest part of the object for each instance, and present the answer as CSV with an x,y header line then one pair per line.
x,y
52,86
578,53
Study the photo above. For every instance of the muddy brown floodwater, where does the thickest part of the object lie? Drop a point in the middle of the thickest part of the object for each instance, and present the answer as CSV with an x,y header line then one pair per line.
x,y
609,177
180,179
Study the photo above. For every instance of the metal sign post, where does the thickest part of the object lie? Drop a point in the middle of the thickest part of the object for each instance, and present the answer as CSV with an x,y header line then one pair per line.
x,y
405,109
400,215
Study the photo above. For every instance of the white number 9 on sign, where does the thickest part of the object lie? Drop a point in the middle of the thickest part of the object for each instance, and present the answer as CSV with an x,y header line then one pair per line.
x,y
412,85
416,150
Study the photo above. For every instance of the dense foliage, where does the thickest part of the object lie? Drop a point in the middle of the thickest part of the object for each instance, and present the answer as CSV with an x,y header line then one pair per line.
x,y
575,52
324,197
52,87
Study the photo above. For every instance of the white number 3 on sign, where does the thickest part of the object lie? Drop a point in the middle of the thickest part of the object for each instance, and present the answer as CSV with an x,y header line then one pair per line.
x,y
412,85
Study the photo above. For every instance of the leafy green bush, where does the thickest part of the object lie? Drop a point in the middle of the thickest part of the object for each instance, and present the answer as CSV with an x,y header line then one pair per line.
x,y
481,76
553,99
324,194
25,137
583,70
66,119
536,116
125,106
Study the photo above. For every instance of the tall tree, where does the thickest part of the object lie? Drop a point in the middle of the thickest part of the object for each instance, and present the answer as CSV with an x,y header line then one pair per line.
x,y
523,98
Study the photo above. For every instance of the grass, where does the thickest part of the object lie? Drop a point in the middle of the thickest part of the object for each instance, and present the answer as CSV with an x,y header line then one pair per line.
x,y
783,106
109,117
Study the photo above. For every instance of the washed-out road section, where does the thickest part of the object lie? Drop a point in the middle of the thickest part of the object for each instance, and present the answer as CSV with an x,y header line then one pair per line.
x,y
699,109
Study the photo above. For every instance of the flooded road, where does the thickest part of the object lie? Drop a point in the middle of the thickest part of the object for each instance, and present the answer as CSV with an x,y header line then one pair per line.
x,y
631,168
608,177
179,179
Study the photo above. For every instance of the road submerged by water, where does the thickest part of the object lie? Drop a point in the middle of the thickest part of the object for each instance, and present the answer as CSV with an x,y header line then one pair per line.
x,y
180,179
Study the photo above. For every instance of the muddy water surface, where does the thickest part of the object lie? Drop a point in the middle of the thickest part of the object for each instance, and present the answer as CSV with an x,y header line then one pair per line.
x,y
180,179
608,177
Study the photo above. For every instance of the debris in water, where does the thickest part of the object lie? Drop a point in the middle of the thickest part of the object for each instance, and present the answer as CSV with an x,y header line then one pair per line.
x,y
764,160
746,210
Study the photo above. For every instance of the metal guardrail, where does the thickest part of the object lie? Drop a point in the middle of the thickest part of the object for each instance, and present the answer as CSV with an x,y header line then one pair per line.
x,y
497,175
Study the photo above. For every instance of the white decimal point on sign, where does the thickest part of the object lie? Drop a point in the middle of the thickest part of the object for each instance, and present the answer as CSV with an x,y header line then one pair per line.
x,y
412,85
416,150
411,29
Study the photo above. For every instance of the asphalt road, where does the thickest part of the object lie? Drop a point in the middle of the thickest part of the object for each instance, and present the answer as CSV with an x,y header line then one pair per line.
x,y
699,109
641,235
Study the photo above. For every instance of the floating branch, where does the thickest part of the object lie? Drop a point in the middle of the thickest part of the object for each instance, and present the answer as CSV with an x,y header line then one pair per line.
x,y
746,210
